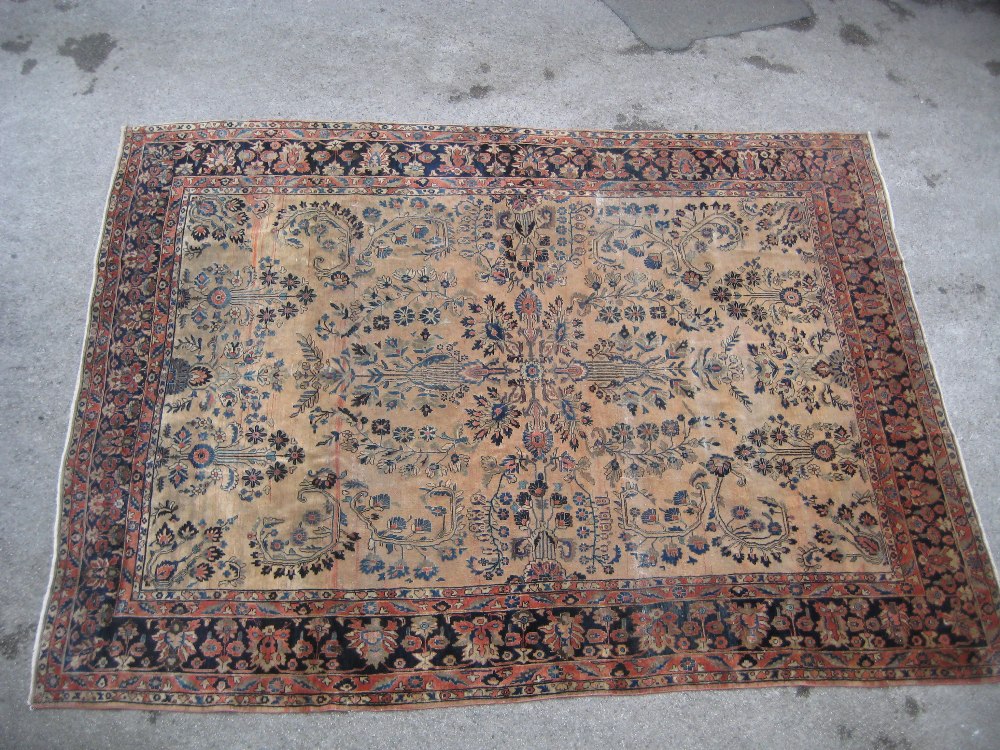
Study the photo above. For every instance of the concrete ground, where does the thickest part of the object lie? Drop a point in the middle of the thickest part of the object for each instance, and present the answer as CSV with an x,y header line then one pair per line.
x,y
923,77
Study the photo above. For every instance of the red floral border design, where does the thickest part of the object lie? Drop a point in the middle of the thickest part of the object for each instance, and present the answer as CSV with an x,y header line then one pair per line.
x,y
935,621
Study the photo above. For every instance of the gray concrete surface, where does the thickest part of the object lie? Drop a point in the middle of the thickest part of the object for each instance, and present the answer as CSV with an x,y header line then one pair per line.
x,y
924,77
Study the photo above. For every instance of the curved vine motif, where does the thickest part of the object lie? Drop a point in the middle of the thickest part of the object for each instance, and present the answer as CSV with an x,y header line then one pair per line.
x,y
356,244
855,536
183,555
311,542
437,528
786,225
666,531
643,231
222,223
319,536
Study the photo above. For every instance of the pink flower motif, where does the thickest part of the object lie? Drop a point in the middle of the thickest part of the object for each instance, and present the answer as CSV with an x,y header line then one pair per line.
x,y
292,159
457,160
269,647
563,633
373,641
176,641
479,638
657,629
749,623
376,159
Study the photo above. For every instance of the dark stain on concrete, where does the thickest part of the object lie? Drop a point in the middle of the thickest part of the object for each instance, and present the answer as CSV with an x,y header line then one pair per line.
x,y
28,65
851,33
151,717
90,88
65,5
635,122
18,46
802,692
932,182
928,101
12,643
548,74
895,77
885,742
88,52
912,707
844,733
994,67
974,290
883,135
639,48
762,63
484,68
478,91
901,12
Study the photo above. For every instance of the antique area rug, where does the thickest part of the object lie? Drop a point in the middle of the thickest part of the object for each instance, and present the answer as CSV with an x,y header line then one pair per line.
x,y
384,416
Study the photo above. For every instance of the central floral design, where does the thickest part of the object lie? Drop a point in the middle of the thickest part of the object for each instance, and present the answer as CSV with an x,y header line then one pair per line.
x,y
523,387
531,347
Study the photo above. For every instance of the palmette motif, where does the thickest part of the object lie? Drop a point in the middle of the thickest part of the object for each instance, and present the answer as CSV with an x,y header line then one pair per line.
x,y
607,414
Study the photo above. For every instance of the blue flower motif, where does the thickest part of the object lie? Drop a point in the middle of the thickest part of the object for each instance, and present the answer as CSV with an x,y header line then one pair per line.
x,y
397,570
426,572
404,316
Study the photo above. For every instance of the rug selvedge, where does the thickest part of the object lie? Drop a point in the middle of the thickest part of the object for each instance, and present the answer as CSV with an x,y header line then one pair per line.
x,y
398,415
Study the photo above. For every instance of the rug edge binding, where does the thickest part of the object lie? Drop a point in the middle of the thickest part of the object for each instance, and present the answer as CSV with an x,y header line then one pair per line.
x,y
154,128
976,516
103,236
597,694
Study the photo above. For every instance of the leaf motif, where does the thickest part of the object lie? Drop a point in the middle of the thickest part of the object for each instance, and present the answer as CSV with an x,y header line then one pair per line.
x,y
307,400
309,350
741,397
732,340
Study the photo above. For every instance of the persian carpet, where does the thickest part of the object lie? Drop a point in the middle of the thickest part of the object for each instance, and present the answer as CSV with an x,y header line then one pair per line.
x,y
385,415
